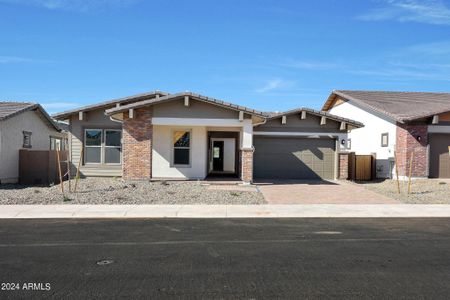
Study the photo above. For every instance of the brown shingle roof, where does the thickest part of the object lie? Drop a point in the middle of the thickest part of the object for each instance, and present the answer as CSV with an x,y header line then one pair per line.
x,y
10,109
124,100
179,95
400,106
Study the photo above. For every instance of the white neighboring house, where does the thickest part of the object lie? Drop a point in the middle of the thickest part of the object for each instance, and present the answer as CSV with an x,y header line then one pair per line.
x,y
24,126
410,124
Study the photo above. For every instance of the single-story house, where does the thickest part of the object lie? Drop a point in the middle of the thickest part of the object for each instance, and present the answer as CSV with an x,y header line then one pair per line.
x,y
406,123
189,136
24,126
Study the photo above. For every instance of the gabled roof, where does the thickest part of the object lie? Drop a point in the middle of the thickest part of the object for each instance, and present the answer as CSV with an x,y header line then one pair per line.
x,y
124,100
399,106
194,96
317,113
11,109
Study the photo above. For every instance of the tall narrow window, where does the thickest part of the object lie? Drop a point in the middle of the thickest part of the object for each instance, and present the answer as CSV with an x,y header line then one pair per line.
x,y
181,147
93,146
113,146
384,139
26,139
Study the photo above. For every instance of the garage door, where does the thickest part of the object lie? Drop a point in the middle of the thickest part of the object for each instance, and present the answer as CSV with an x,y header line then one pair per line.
x,y
439,156
293,158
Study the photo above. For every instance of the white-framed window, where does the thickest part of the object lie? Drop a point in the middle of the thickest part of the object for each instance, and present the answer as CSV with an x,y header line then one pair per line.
x,y
113,146
349,144
384,139
103,146
26,139
93,146
181,143
57,143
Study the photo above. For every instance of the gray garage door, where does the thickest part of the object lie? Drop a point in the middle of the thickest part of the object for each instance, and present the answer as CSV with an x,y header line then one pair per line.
x,y
439,155
293,158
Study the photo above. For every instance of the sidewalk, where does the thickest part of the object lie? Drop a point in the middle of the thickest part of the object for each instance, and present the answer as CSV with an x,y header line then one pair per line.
x,y
225,211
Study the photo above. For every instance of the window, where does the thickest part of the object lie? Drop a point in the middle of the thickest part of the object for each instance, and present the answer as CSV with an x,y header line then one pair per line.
x,y
113,146
384,139
26,139
349,144
181,147
56,143
103,146
93,146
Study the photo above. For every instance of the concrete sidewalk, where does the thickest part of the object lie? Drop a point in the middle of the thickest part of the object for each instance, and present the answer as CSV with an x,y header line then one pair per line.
x,y
225,211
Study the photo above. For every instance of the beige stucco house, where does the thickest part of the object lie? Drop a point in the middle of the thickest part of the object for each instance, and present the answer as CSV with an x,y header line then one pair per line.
x,y
159,135
24,126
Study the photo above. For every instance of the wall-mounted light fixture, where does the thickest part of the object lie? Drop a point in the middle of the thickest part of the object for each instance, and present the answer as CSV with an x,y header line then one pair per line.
x,y
343,142
418,138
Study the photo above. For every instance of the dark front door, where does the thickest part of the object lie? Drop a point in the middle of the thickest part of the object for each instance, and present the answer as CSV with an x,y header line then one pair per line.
x,y
217,155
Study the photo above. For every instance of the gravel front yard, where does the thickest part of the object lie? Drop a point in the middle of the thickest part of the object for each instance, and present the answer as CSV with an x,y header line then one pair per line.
x,y
426,191
115,191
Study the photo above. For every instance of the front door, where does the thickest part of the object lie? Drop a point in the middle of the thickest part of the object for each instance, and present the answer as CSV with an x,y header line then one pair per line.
x,y
217,155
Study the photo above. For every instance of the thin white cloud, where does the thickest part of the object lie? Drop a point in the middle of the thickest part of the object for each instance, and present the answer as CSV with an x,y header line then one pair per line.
x,y
17,60
273,84
74,5
308,65
432,49
424,11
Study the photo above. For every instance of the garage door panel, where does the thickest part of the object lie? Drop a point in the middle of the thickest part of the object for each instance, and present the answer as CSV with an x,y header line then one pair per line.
x,y
439,155
293,158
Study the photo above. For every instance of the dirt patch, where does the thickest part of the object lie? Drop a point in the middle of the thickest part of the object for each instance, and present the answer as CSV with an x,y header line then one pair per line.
x,y
426,191
116,191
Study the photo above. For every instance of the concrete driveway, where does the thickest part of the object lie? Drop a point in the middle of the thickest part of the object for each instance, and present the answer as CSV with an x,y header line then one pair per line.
x,y
319,192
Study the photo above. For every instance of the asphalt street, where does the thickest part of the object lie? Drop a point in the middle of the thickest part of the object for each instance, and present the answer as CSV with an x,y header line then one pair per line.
x,y
225,258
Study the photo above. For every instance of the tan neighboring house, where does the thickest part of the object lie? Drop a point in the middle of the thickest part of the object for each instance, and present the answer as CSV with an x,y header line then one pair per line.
x,y
189,136
410,124
24,126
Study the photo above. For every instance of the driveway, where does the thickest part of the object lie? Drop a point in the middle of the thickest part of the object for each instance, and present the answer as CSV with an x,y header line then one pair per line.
x,y
319,192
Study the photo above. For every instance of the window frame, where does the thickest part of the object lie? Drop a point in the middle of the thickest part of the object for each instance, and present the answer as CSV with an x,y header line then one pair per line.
x,y
385,134
118,147
85,146
349,144
27,134
172,147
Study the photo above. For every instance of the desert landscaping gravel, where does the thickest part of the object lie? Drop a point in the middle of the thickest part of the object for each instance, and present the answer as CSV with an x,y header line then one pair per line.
x,y
426,191
116,191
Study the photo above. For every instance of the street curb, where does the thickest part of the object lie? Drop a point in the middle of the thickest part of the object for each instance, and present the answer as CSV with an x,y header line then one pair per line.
x,y
225,211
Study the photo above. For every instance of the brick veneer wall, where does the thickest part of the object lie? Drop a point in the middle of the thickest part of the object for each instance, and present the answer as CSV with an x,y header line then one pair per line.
x,y
137,145
343,165
247,165
406,144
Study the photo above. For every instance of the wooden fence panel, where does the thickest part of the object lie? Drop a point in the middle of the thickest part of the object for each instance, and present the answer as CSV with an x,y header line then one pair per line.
x,y
40,167
363,167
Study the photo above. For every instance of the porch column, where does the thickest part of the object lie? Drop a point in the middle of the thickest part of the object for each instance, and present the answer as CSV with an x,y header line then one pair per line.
x,y
247,151
137,145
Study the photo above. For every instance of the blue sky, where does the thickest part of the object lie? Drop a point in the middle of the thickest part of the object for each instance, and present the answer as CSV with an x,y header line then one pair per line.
x,y
268,54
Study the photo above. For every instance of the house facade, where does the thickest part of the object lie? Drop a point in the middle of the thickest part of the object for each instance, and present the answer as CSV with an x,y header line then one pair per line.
x,y
398,126
189,136
24,126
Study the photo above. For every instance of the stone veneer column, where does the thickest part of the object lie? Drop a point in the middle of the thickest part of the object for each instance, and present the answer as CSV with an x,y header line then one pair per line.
x,y
407,143
137,145
247,165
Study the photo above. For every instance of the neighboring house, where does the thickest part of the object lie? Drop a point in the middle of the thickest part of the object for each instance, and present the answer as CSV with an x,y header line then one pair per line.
x,y
24,126
405,123
189,136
